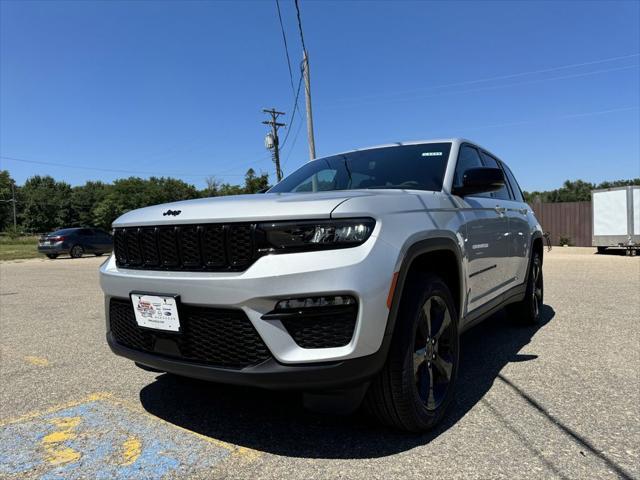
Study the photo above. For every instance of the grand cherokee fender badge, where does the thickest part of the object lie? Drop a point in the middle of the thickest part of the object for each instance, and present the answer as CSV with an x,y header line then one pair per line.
x,y
173,213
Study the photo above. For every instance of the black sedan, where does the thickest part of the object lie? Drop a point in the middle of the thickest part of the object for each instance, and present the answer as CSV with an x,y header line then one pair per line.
x,y
75,242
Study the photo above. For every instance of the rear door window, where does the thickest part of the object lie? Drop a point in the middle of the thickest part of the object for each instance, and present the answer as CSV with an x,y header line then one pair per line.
x,y
468,157
515,188
503,193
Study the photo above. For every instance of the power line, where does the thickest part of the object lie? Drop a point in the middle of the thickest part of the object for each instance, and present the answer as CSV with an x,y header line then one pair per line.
x,y
295,93
553,119
286,48
295,139
545,70
113,170
501,77
295,103
304,48
481,89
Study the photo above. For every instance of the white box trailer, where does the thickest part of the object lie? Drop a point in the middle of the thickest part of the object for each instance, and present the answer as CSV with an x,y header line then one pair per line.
x,y
616,217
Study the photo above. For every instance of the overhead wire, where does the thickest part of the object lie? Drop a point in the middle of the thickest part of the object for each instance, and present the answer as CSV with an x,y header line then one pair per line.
x,y
296,93
499,77
481,89
112,170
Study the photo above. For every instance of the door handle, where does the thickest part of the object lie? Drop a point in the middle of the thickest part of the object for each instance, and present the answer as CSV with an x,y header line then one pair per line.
x,y
501,210
523,211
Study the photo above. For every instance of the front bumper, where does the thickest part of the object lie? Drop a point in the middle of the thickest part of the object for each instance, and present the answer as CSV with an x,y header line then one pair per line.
x,y
269,374
364,272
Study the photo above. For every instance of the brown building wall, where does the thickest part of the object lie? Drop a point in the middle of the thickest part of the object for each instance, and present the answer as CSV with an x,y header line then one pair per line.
x,y
567,219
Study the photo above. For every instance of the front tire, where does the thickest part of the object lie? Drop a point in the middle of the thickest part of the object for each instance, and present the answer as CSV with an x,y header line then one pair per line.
x,y
76,251
416,384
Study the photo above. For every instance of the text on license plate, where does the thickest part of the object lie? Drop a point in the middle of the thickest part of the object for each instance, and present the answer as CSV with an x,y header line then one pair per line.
x,y
159,312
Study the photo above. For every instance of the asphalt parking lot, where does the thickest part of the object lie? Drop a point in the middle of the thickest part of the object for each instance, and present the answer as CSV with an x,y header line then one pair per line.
x,y
561,400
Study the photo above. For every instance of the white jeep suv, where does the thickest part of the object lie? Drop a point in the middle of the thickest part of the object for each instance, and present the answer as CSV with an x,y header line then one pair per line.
x,y
350,280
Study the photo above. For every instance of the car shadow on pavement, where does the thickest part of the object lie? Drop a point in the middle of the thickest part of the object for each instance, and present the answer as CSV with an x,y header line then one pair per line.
x,y
275,422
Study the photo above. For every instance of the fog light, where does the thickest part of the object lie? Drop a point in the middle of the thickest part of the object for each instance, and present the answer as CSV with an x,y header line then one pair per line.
x,y
311,302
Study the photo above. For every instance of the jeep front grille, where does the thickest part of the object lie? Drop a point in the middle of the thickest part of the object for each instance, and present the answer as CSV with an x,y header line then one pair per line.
x,y
207,247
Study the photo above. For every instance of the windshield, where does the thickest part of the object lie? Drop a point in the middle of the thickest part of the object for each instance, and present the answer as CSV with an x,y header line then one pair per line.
x,y
418,167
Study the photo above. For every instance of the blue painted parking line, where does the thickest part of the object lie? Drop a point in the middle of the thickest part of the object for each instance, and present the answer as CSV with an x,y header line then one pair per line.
x,y
102,439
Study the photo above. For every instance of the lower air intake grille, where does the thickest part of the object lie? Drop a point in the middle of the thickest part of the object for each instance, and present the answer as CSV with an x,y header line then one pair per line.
x,y
217,337
333,328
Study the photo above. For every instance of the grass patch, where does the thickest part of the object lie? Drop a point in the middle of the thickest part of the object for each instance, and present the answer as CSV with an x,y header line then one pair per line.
x,y
18,248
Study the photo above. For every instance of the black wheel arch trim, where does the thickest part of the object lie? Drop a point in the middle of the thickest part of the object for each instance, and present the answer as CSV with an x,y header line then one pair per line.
x,y
534,236
418,248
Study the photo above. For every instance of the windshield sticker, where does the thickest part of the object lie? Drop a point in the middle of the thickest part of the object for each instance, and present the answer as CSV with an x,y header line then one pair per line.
x,y
431,154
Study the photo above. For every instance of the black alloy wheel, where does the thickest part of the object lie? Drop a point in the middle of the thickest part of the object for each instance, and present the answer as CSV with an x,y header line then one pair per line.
x,y
529,310
433,356
417,383
537,291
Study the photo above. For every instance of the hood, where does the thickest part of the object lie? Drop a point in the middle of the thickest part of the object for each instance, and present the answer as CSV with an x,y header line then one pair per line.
x,y
241,208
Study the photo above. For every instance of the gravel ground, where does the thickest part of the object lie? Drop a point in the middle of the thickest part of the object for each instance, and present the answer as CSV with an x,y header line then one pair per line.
x,y
561,400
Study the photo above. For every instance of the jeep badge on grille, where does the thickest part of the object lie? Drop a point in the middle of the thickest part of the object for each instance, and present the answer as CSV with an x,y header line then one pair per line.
x,y
173,213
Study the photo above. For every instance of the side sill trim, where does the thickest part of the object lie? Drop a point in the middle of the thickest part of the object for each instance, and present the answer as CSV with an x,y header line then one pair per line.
x,y
512,295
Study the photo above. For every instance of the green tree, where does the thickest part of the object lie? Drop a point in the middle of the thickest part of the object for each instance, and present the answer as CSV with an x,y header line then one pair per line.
x,y
255,183
84,201
619,183
252,184
133,192
6,206
212,189
46,204
575,191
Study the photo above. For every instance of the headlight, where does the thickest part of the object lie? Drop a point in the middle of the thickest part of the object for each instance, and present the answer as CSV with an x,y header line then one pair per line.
x,y
315,235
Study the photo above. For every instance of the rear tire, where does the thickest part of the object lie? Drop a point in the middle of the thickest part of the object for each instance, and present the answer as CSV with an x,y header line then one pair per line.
x,y
76,251
416,384
52,255
528,310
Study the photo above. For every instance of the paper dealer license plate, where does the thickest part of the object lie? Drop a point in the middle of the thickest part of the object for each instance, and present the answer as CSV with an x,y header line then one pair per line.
x,y
156,311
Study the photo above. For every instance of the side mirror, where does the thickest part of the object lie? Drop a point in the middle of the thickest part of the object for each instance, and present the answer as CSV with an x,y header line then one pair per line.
x,y
480,180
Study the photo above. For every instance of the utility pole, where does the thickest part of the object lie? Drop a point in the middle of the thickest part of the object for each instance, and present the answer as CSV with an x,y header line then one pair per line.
x,y
271,141
307,91
13,200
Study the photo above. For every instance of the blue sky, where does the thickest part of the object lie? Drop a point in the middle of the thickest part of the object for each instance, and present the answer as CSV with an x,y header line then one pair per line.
x,y
177,87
